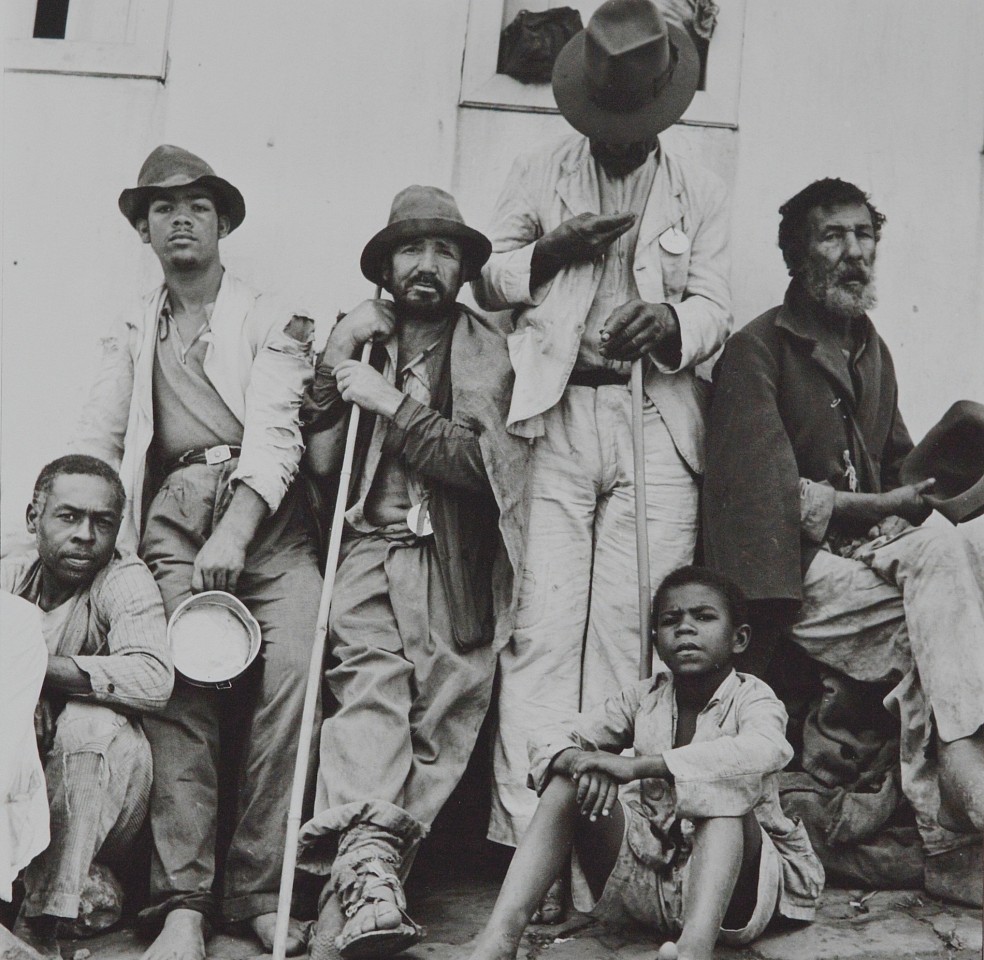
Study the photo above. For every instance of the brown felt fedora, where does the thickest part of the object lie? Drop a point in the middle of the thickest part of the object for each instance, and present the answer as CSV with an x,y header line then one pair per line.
x,y
425,212
628,76
169,167
953,453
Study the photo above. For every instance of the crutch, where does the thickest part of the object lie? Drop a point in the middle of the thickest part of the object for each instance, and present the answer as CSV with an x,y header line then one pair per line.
x,y
314,681
642,532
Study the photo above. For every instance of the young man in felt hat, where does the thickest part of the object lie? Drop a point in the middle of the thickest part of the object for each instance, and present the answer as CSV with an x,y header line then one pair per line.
x,y
807,507
609,249
433,540
108,667
197,400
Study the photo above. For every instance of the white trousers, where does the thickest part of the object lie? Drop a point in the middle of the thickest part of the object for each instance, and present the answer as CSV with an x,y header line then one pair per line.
x,y
576,639
909,609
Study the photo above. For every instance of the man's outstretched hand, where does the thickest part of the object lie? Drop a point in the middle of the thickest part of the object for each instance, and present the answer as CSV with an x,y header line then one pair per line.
x,y
578,240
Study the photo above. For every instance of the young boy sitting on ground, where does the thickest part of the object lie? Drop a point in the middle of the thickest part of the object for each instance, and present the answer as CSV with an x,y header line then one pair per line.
x,y
697,845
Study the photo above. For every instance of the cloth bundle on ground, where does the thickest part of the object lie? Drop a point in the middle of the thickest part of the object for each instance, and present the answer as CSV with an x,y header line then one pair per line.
x,y
848,792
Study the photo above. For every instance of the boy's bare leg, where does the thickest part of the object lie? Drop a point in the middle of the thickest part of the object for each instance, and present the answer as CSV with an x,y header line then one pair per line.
x,y
542,853
724,848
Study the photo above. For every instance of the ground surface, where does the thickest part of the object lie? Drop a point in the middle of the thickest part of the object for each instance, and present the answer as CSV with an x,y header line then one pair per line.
x,y
888,925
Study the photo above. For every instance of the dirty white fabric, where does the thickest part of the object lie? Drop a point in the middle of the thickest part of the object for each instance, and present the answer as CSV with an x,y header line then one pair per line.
x,y
98,777
576,638
23,801
909,608
728,769
558,182
256,365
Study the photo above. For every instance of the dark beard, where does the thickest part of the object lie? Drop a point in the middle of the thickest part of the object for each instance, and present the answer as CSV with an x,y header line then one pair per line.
x,y
629,158
824,285
423,312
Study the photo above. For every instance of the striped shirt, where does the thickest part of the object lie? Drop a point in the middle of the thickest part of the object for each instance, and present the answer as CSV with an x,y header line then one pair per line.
x,y
116,632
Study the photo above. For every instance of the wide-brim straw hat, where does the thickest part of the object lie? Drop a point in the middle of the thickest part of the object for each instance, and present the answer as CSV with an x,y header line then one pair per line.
x,y
953,453
168,167
425,212
628,76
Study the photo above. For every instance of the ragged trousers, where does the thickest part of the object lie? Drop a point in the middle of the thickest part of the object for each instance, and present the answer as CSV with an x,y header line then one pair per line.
x,y
912,610
281,586
98,775
576,639
408,704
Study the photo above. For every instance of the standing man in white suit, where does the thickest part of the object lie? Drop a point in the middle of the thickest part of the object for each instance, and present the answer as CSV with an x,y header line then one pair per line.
x,y
609,249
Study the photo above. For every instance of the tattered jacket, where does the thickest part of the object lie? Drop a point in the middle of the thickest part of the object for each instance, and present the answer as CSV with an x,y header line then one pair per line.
x,y
785,406
476,477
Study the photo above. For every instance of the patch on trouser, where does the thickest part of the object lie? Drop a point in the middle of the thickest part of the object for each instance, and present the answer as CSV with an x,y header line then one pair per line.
x,y
656,898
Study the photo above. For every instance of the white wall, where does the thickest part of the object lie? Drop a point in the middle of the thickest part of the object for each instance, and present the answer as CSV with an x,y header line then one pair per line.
x,y
320,112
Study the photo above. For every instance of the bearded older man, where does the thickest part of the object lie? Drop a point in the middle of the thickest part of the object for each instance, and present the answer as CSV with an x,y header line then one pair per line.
x,y
805,508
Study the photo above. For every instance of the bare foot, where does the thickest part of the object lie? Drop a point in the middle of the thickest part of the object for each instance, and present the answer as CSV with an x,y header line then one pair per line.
x,y
40,933
182,938
265,924
668,951
553,906
491,945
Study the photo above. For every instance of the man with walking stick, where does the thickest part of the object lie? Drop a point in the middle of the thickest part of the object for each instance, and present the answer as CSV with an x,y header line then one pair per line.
x,y
431,549
610,250
196,402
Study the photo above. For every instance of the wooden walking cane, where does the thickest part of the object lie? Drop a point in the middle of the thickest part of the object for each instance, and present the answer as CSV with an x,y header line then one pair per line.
x,y
314,681
642,532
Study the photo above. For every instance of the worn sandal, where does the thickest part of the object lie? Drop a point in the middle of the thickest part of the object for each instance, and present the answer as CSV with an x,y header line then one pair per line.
x,y
382,893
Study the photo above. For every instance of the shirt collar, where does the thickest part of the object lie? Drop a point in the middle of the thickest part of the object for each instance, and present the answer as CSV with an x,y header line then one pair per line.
x,y
664,679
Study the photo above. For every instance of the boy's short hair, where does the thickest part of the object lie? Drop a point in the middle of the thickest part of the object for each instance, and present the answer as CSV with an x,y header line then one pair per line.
x,y
733,596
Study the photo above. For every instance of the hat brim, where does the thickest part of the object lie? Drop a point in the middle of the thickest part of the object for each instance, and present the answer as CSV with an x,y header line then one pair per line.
x,y
584,115
476,248
135,201
938,455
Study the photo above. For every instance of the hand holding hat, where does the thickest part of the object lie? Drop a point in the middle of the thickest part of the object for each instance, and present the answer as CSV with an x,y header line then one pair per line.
x,y
953,453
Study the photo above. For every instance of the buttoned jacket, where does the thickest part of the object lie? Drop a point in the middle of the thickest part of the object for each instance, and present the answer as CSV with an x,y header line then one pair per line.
x,y
547,188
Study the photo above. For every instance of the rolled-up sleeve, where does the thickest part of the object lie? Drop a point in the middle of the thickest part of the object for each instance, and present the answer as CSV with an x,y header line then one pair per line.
x,y
816,509
136,671
725,777
610,727
272,444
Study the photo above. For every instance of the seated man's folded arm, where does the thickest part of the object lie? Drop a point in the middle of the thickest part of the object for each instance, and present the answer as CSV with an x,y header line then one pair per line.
x,y
137,672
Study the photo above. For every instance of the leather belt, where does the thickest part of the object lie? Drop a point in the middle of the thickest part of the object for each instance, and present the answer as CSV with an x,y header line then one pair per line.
x,y
596,378
208,455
